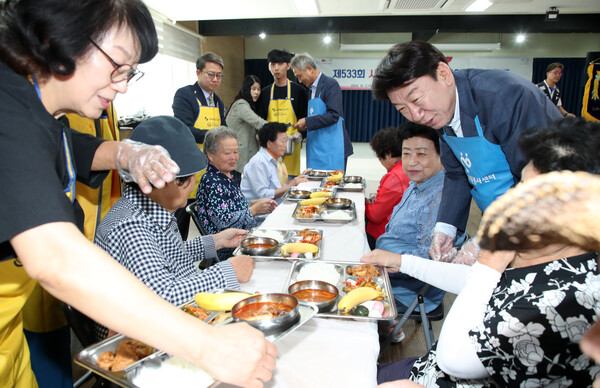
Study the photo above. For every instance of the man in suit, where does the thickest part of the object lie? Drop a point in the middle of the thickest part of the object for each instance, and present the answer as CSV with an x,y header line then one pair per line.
x,y
327,141
479,115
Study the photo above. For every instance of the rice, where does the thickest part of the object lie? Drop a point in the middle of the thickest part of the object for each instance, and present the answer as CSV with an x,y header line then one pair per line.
x,y
336,215
319,271
353,185
274,234
174,372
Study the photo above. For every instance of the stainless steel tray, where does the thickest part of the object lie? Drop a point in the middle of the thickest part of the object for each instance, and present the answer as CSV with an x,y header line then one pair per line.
x,y
317,175
343,186
125,378
288,236
287,197
383,280
322,215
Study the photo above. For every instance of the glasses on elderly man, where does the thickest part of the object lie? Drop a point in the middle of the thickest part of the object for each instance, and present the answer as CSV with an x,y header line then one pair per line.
x,y
121,72
213,75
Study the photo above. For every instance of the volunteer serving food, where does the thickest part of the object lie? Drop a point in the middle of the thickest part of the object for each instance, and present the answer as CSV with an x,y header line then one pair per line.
x,y
75,56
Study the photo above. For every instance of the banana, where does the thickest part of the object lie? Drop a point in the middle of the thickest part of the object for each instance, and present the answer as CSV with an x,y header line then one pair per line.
x,y
321,194
219,302
356,297
299,247
336,177
313,201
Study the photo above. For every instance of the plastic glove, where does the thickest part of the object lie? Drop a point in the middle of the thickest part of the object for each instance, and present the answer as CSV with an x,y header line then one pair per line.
x,y
442,247
468,253
297,137
145,165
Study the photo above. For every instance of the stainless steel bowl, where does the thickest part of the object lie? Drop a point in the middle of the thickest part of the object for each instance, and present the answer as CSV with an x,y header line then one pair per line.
x,y
319,285
271,246
317,174
272,325
299,194
352,179
338,203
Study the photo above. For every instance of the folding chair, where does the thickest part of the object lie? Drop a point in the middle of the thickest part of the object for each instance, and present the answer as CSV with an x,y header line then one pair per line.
x,y
421,315
192,209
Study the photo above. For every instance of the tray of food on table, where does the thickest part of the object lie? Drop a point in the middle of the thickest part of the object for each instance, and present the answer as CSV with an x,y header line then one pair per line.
x,y
346,183
343,290
320,174
297,194
131,363
277,244
331,210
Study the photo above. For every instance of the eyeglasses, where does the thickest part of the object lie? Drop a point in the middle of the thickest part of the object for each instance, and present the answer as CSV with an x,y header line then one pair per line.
x,y
213,75
557,73
121,72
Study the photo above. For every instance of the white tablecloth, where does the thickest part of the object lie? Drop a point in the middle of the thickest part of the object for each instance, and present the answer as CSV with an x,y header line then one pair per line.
x,y
323,352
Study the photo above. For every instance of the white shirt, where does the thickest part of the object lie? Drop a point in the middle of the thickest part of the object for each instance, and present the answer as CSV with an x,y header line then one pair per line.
x,y
455,122
313,87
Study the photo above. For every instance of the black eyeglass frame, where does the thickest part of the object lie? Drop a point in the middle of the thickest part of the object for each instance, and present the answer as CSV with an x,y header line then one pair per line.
x,y
131,76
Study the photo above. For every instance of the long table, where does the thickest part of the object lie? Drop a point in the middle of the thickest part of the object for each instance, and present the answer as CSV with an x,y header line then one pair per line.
x,y
323,352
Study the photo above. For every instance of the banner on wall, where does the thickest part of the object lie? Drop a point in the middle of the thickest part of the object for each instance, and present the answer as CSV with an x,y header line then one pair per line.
x,y
591,94
357,73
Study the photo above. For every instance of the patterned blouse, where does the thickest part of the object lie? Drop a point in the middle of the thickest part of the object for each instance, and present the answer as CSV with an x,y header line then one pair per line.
x,y
221,204
531,330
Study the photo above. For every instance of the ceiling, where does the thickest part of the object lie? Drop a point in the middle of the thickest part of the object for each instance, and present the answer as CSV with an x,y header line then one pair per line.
x,y
250,17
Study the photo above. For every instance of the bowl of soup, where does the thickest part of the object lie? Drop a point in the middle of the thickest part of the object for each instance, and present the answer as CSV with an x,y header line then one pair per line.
x,y
338,203
259,246
317,293
352,179
269,313
299,194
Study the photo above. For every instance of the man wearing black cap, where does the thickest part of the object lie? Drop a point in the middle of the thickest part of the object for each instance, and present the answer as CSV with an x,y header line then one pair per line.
x,y
284,101
141,232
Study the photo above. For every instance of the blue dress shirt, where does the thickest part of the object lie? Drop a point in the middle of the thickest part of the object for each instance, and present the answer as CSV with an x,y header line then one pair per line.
x,y
260,178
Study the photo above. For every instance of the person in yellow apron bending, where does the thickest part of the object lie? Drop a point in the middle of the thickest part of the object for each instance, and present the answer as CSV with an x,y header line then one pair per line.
x,y
284,101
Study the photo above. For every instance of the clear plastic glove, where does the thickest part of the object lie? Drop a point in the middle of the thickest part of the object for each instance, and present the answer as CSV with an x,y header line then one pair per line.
x,y
145,165
441,247
297,137
468,253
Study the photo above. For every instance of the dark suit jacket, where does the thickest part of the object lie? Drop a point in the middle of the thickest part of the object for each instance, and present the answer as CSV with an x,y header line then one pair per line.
x,y
185,108
331,94
506,104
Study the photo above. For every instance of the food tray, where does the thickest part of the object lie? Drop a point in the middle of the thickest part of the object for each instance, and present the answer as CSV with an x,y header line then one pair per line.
x,y
342,186
383,281
286,197
288,236
125,378
317,175
323,212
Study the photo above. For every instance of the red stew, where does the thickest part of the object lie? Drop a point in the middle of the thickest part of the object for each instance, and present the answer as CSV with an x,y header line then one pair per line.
x,y
263,310
259,246
314,295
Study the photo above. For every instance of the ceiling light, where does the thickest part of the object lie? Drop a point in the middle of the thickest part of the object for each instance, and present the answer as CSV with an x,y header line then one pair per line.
x,y
262,35
478,6
552,14
327,39
307,7
520,38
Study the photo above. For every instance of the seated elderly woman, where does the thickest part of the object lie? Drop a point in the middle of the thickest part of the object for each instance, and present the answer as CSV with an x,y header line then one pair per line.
x,y
387,145
519,315
265,175
221,204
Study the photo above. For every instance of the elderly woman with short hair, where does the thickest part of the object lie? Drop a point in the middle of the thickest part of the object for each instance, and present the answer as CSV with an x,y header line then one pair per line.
x,y
221,204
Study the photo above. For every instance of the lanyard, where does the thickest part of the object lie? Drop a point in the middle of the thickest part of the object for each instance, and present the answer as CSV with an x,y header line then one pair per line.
x,y
70,189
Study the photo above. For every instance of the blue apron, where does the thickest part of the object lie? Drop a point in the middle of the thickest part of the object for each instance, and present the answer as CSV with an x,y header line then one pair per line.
x,y
324,146
485,165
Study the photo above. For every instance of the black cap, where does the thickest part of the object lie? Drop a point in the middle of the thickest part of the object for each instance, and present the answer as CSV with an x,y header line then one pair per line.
x,y
176,138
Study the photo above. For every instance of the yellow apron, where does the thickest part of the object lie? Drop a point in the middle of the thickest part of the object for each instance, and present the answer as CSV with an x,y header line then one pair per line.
x,y
282,111
209,117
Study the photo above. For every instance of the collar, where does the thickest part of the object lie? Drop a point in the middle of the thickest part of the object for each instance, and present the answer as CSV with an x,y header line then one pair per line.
x,y
206,94
270,153
455,122
267,155
433,181
316,83
548,86
150,208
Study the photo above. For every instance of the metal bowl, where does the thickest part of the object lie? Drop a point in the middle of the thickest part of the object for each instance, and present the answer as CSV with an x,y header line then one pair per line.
x,y
270,246
318,174
312,285
352,179
271,325
299,194
338,203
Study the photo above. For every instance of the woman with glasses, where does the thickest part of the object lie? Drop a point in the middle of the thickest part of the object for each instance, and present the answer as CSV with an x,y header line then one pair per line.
x,y
75,56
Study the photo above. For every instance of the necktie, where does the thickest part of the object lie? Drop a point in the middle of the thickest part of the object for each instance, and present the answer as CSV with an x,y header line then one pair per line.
x,y
211,100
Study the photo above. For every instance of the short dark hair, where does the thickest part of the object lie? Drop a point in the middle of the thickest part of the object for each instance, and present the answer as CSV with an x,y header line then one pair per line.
x,y
410,129
387,141
553,66
403,63
209,57
269,132
42,37
244,92
567,144
279,56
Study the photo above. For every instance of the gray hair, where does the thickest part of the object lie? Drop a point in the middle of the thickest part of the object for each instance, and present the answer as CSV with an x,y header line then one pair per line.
x,y
300,61
212,140
209,57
